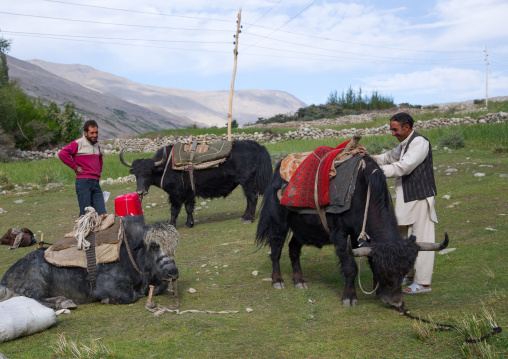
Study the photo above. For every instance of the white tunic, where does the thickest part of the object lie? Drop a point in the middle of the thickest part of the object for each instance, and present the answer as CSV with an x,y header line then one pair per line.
x,y
394,164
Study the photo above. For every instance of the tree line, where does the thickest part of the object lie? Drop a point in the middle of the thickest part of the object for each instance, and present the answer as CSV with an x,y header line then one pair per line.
x,y
347,103
28,123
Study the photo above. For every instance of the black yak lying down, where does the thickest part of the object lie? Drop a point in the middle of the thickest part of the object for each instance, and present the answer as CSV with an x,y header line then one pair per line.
x,y
390,256
152,247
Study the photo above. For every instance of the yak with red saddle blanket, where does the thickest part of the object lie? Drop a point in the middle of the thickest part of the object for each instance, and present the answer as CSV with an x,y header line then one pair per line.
x,y
354,203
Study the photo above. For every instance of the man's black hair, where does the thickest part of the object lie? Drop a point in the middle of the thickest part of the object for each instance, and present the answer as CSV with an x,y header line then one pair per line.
x,y
88,124
403,118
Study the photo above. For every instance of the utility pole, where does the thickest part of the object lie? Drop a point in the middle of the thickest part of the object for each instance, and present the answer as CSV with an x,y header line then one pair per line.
x,y
234,74
486,78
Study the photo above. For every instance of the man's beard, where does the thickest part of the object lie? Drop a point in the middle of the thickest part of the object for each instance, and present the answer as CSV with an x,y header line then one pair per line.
x,y
92,141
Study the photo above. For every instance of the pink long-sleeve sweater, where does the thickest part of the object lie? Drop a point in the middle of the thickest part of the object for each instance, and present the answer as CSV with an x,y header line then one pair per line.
x,y
82,153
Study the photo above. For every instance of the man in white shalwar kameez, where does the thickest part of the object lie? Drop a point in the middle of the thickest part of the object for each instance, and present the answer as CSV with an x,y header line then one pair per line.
x,y
411,165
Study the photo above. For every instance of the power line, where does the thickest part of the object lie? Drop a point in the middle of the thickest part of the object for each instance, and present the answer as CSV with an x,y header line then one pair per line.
x,y
287,22
137,11
115,24
111,38
278,2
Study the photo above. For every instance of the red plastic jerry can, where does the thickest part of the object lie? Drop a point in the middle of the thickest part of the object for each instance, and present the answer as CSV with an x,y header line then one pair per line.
x,y
128,204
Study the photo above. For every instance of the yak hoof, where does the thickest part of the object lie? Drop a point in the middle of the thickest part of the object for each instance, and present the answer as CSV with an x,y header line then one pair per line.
x,y
349,302
189,225
278,285
301,285
67,304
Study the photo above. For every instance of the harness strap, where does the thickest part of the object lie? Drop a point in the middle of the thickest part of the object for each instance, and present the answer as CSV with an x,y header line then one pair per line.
x,y
167,162
129,251
320,209
191,168
91,259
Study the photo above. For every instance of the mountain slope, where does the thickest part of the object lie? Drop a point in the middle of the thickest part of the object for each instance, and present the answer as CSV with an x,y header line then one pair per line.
x,y
208,107
116,117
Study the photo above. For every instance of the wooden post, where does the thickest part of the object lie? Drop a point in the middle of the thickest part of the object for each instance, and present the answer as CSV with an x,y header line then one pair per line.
x,y
234,73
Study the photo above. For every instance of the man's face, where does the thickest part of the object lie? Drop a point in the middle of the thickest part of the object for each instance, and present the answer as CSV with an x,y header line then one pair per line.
x,y
92,135
401,132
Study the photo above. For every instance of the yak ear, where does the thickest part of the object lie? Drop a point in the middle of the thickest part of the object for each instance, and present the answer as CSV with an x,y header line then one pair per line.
x,y
412,238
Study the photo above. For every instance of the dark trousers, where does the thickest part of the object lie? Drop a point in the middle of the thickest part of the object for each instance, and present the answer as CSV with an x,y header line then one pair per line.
x,y
89,194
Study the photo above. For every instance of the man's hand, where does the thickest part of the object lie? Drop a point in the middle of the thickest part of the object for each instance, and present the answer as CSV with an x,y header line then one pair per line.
x,y
78,170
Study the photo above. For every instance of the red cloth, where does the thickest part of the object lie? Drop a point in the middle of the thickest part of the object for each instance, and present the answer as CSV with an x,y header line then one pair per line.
x,y
300,189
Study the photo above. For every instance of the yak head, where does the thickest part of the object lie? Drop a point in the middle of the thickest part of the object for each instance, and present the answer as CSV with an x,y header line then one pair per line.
x,y
143,170
161,240
390,262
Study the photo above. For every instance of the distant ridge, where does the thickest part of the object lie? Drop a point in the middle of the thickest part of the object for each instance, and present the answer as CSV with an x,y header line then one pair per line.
x,y
116,117
175,107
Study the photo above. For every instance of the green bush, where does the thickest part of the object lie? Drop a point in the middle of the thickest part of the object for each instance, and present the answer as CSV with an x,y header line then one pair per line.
x,y
452,140
5,182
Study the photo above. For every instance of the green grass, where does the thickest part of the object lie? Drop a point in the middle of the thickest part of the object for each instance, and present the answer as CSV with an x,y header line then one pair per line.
x,y
289,323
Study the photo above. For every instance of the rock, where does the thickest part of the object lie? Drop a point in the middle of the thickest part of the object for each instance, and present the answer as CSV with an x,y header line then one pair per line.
x,y
255,273
503,176
451,170
191,290
479,174
19,201
446,196
491,229
249,310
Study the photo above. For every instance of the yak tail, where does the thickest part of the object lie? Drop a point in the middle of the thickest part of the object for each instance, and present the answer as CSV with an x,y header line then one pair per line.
x,y
272,224
264,171
6,293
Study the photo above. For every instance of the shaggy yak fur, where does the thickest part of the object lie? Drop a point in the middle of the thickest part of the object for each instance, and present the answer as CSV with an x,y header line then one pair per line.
x,y
391,256
248,165
153,250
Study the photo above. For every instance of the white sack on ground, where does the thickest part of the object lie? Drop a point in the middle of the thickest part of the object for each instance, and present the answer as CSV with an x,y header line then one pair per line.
x,y
21,316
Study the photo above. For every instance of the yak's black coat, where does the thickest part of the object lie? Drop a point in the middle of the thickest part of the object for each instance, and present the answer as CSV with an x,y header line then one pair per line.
x,y
391,258
118,282
248,165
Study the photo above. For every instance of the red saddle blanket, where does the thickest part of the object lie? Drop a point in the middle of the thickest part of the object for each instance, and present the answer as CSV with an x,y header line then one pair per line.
x,y
300,189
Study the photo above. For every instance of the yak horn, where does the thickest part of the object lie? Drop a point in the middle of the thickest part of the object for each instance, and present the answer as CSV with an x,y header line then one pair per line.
x,y
426,246
357,252
163,160
125,163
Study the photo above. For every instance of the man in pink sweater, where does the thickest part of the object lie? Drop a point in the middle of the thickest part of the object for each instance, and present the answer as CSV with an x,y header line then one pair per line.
x,y
84,157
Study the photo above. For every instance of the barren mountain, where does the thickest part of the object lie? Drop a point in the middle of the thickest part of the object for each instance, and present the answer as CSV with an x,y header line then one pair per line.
x,y
116,117
206,107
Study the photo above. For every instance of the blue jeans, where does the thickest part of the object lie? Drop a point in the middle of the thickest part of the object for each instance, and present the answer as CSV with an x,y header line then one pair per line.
x,y
89,195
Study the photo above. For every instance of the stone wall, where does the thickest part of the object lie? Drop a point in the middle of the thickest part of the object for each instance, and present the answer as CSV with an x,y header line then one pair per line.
x,y
305,131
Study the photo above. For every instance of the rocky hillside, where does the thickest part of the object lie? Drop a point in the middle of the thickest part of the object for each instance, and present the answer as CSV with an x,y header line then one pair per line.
x,y
205,108
116,117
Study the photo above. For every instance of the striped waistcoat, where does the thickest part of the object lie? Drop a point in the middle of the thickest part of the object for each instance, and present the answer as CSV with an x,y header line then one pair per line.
x,y
419,184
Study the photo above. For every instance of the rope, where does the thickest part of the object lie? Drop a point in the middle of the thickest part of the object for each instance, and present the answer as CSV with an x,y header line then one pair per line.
x,y
360,282
160,309
89,222
449,327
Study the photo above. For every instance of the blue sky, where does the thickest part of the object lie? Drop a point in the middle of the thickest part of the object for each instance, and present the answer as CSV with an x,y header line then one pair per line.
x,y
420,52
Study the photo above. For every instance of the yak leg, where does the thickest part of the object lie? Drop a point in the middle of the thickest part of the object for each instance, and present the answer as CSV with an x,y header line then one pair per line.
x,y
176,206
58,303
349,271
276,246
295,248
189,208
249,190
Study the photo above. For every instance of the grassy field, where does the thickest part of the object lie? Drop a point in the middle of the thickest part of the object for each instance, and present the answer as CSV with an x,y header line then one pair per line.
x,y
217,258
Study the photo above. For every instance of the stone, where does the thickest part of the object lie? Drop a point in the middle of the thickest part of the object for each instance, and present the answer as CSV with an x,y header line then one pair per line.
x,y
446,196
479,174
255,273
191,290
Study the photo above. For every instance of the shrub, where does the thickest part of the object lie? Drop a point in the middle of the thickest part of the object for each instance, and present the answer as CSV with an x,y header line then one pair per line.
x,y
452,140
5,182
